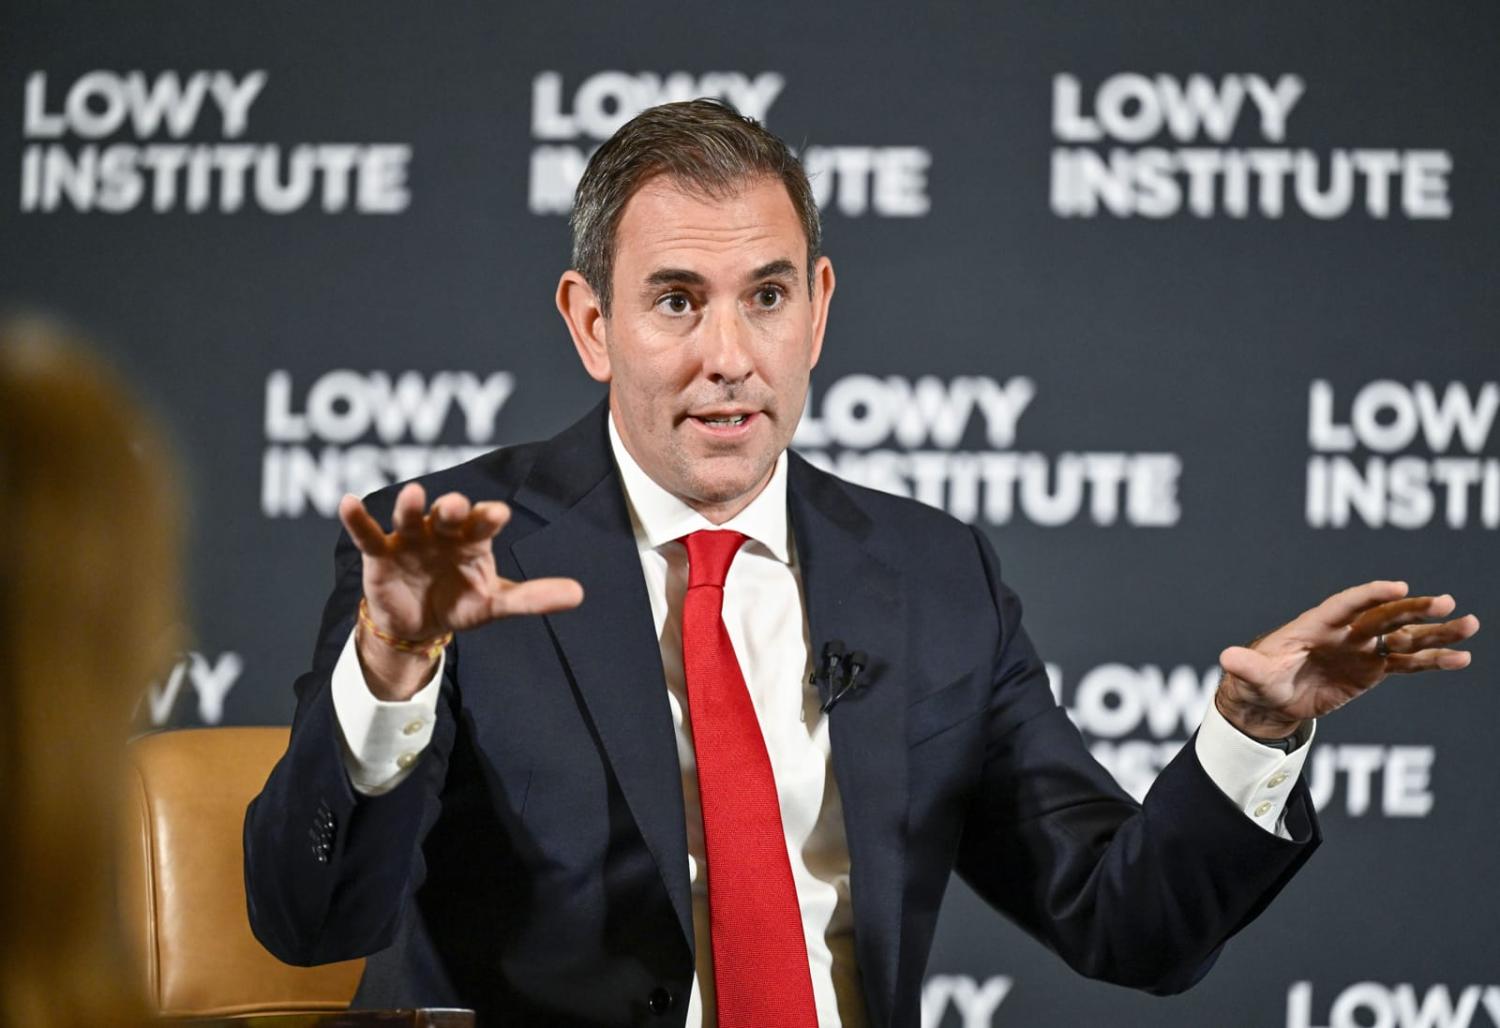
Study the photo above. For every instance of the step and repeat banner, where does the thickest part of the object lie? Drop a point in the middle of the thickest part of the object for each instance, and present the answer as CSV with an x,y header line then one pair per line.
x,y
1192,307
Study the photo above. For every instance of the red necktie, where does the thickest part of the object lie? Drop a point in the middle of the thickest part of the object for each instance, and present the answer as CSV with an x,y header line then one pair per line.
x,y
760,955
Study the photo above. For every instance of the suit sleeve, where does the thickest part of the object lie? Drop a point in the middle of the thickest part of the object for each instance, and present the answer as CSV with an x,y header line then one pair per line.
x,y
328,869
1140,895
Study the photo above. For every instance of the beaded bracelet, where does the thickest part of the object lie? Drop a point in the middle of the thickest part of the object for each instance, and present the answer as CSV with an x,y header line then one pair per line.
x,y
429,647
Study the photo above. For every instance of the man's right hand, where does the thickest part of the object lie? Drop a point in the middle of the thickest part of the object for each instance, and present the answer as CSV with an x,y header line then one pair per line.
x,y
434,573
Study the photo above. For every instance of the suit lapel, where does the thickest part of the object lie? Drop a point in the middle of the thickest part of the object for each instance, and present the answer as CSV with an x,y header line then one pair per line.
x,y
609,643
853,597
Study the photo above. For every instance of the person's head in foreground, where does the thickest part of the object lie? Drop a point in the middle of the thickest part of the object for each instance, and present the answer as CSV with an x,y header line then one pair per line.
x,y
88,573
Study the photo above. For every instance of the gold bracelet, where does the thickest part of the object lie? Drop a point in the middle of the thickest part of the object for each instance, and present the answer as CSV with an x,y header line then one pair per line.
x,y
428,647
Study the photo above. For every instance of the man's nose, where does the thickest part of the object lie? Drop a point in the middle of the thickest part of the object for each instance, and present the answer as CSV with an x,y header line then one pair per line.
x,y
726,347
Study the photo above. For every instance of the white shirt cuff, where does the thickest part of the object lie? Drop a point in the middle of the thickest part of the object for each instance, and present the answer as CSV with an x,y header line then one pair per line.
x,y
382,739
1258,778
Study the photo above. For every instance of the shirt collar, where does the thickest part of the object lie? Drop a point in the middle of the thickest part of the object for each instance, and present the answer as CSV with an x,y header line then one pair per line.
x,y
660,517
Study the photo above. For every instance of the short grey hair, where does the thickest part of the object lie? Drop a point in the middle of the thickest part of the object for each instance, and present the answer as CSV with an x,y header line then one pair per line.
x,y
705,146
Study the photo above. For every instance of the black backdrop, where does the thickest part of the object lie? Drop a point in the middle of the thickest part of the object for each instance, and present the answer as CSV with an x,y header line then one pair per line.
x,y
1192,306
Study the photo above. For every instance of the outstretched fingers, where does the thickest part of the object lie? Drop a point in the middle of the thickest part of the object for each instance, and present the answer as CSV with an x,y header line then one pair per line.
x,y
408,516
1343,607
536,596
366,532
452,517
1388,617
450,514
1425,637
485,521
1427,660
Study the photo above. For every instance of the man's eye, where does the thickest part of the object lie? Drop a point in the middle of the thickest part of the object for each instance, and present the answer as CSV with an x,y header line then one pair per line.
x,y
675,303
768,297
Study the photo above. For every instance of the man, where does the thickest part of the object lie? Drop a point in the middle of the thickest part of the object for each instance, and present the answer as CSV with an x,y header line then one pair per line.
x,y
579,747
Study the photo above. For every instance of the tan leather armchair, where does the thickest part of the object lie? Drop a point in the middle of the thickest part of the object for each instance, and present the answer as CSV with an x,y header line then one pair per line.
x,y
184,889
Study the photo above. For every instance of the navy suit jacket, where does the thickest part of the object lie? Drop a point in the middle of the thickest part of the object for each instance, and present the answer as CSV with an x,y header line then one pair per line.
x,y
534,866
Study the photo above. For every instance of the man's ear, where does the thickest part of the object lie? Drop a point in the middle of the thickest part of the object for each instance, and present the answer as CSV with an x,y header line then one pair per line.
x,y
823,283
580,309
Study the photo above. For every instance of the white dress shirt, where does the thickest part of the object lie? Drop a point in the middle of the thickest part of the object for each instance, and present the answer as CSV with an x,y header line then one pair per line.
x,y
765,615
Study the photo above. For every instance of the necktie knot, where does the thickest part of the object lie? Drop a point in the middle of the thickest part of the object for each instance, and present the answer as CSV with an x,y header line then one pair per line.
x,y
710,553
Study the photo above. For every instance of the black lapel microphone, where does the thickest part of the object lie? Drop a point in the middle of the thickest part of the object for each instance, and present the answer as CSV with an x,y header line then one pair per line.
x,y
838,673
825,670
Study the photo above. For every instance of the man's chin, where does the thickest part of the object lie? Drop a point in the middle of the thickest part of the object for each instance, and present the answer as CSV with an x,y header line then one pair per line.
x,y
728,489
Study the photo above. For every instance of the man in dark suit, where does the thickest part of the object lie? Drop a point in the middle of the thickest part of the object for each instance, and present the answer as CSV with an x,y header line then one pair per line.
x,y
665,799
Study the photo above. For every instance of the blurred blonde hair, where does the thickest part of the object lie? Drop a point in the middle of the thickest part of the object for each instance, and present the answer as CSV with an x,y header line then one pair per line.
x,y
89,533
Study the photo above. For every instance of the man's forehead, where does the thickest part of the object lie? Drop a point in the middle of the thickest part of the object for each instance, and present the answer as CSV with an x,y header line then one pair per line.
x,y
674,189
670,224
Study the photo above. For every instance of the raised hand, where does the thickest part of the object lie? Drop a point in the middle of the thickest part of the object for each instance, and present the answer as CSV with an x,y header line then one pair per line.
x,y
434,573
1328,655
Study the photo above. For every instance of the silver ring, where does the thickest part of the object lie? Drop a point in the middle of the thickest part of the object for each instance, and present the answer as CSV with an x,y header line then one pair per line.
x,y
1381,649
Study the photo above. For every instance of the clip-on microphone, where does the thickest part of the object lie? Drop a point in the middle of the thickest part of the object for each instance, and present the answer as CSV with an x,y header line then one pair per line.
x,y
839,674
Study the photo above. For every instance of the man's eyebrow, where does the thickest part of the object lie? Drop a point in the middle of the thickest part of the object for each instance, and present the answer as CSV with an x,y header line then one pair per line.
x,y
782,268
674,276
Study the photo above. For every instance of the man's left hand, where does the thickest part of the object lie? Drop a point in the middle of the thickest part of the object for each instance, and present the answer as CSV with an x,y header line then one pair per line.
x,y
1334,652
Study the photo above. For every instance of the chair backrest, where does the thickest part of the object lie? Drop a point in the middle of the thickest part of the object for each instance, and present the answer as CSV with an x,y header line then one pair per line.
x,y
184,885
